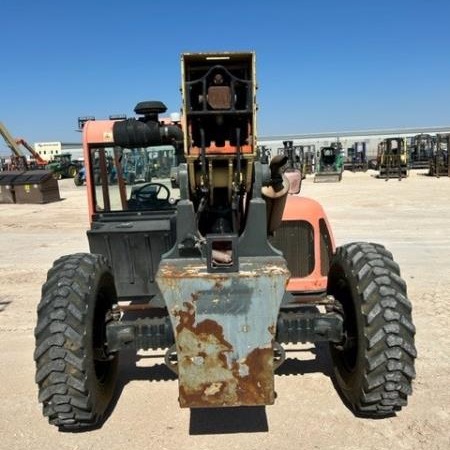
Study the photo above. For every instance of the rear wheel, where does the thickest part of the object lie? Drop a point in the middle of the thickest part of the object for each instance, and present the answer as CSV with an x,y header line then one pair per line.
x,y
374,366
75,374
72,171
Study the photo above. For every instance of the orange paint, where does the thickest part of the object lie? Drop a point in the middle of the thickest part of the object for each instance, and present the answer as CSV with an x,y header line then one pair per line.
x,y
303,208
227,149
96,134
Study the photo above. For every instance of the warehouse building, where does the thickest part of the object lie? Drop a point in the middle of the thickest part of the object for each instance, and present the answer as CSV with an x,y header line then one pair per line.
x,y
48,150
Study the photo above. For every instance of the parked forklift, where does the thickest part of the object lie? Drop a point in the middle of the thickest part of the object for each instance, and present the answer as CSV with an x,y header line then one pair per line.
x,y
420,151
438,164
330,164
357,158
220,272
392,159
263,153
294,154
294,169
163,159
309,158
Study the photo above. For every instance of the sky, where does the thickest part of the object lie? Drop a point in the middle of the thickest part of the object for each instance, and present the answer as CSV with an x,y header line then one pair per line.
x,y
322,65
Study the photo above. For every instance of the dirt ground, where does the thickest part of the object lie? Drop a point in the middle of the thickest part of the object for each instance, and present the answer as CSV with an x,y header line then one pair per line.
x,y
411,217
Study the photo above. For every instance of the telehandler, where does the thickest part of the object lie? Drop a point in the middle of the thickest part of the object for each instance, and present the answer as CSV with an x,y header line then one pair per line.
x,y
221,270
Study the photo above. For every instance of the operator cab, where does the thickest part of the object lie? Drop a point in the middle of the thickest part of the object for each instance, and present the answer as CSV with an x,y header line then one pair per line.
x,y
131,198
133,179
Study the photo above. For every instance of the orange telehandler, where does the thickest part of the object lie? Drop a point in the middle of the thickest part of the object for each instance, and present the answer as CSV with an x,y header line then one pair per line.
x,y
217,265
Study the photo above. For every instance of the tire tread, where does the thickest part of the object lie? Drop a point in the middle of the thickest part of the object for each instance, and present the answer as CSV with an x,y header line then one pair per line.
x,y
389,349
61,342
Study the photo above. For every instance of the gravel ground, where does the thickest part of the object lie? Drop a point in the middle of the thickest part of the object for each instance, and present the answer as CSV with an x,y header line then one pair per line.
x,y
410,217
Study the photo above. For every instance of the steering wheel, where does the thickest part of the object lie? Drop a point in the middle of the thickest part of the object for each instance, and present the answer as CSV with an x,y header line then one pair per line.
x,y
151,194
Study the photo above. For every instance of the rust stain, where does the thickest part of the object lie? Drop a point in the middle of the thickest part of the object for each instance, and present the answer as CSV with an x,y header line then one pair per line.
x,y
272,330
187,318
257,387
207,394
205,378
203,366
209,376
172,271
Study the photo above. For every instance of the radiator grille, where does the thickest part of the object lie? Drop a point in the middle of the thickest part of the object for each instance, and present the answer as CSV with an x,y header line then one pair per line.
x,y
326,248
296,240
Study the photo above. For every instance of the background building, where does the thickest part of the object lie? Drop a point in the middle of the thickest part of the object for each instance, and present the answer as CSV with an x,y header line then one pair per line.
x,y
47,150
348,138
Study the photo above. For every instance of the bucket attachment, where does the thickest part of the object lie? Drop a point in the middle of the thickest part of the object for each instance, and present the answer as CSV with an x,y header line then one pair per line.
x,y
327,177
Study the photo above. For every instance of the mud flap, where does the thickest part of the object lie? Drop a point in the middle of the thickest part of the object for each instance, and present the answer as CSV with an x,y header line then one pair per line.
x,y
224,326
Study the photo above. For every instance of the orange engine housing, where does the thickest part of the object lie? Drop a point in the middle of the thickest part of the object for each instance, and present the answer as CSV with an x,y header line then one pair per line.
x,y
307,242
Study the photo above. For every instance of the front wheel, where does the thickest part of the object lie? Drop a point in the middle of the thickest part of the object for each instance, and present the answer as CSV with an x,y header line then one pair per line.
x,y
75,374
374,365
78,180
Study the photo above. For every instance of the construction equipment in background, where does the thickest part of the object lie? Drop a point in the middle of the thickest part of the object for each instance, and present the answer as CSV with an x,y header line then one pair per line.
x,y
80,178
420,151
36,161
264,154
357,158
219,272
20,182
392,159
18,159
438,164
162,160
63,166
329,164
136,166
304,153
309,158
294,165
